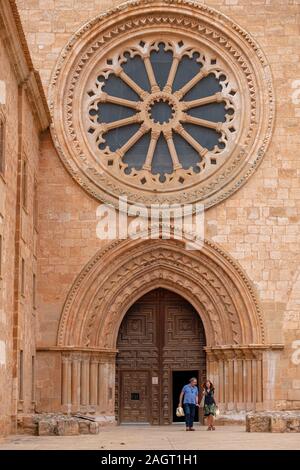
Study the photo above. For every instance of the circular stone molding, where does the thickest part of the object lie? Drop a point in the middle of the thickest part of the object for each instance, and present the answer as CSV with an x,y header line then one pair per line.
x,y
162,102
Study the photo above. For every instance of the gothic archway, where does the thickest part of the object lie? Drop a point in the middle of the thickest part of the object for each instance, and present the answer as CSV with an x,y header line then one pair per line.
x,y
111,282
119,274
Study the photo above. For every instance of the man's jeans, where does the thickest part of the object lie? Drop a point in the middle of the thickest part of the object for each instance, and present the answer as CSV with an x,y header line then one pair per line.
x,y
189,411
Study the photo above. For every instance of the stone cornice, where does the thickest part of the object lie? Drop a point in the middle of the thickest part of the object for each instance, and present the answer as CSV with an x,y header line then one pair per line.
x,y
14,40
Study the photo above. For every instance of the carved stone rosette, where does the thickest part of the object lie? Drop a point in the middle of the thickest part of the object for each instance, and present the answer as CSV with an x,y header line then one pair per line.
x,y
194,37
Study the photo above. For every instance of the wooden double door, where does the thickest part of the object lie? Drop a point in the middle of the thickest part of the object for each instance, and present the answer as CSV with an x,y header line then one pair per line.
x,y
160,344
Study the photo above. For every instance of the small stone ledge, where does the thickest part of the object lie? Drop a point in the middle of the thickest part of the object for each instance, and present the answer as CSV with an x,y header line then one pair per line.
x,y
273,421
231,418
50,424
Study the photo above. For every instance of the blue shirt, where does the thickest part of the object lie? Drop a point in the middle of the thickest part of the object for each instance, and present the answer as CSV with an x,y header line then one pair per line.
x,y
190,394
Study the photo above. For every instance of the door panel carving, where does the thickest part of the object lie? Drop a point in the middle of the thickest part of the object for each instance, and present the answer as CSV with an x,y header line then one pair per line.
x,y
160,333
135,396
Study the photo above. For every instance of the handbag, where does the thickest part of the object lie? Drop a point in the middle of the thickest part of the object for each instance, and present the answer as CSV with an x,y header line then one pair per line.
x,y
179,412
217,411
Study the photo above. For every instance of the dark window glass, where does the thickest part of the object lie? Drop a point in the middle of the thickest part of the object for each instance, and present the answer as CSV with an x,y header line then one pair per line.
x,y
161,63
161,111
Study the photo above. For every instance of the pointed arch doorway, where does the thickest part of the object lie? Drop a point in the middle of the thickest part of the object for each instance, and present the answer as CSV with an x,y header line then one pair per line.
x,y
160,346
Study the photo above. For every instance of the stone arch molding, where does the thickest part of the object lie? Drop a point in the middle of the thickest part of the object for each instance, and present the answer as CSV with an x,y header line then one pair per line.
x,y
122,272
224,42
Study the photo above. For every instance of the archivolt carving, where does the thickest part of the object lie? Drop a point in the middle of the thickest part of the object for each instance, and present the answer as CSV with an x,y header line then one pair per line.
x,y
224,49
121,273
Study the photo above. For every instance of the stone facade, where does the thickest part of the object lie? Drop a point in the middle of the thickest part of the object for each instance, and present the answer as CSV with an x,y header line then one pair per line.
x,y
23,111
257,228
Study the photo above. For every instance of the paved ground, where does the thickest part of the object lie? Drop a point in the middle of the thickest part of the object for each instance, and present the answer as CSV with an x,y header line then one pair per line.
x,y
163,437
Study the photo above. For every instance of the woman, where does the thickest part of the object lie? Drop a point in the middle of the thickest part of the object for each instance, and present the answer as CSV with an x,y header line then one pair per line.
x,y
210,405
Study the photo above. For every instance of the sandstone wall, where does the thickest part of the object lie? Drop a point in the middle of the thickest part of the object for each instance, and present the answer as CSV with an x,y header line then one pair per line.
x,y
258,225
19,235
8,192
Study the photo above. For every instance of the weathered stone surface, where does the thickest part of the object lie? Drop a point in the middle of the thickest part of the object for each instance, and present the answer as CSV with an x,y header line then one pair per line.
x,y
293,425
276,421
94,428
67,427
84,427
47,427
28,425
257,423
51,424
278,424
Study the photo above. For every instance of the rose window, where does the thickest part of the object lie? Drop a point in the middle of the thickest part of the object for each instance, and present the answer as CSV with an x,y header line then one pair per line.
x,y
164,102
162,113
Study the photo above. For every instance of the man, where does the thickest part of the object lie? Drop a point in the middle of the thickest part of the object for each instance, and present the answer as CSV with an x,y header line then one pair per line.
x,y
189,395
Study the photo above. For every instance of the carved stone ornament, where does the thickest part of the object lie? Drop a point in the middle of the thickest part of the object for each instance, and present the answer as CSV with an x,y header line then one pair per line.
x,y
161,101
125,270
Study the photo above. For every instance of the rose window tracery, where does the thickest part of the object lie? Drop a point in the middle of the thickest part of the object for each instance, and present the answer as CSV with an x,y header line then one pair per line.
x,y
165,102
161,112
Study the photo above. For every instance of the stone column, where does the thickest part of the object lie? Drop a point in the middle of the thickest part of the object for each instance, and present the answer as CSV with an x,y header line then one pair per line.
x,y
230,385
221,382
215,374
102,386
106,386
248,383
242,375
66,382
94,381
226,385
236,372
111,385
76,366
254,382
85,366
239,364
259,384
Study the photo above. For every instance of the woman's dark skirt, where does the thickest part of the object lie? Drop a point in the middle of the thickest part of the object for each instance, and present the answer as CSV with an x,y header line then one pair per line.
x,y
210,410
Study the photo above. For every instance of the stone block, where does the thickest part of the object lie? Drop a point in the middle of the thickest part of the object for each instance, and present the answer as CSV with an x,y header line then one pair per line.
x,y
278,424
67,427
28,425
94,428
257,423
47,427
84,427
293,425
273,421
